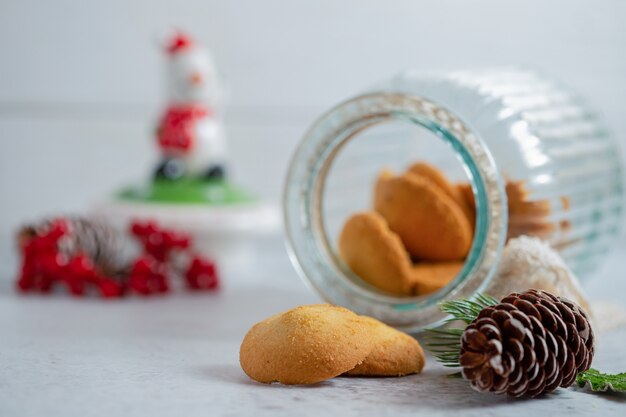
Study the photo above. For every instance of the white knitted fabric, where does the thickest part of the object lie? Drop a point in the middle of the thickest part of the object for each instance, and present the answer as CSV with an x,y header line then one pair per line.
x,y
529,262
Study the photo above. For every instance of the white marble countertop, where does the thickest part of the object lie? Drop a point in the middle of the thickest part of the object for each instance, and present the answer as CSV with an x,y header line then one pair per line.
x,y
178,356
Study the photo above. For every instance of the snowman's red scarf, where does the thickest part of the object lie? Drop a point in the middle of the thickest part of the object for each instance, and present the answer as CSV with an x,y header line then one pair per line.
x,y
176,129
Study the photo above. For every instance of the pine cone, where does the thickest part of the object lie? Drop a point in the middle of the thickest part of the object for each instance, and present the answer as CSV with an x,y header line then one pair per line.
x,y
529,344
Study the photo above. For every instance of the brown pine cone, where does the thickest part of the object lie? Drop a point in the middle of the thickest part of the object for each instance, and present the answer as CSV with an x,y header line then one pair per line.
x,y
529,344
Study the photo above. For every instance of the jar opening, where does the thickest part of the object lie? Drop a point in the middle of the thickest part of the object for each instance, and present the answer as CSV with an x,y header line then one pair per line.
x,y
308,203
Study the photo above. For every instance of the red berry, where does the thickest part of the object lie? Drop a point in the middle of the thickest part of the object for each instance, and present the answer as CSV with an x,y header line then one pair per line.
x,y
80,265
143,229
158,242
75,285
109,288
58,228
142,266
202,274
44,283
148,276
158,283
25,282
137,280
78,272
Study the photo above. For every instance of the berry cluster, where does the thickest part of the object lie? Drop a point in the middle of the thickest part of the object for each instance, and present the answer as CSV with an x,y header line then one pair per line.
x,y
150,272
44,264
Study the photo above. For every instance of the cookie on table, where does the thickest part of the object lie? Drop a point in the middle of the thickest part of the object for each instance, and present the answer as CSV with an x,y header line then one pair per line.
x,y
435,175
431,277
305,345
429,222
375,253
395,353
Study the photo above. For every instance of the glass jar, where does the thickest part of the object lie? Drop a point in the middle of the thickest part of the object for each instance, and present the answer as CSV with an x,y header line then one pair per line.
x,y
494,128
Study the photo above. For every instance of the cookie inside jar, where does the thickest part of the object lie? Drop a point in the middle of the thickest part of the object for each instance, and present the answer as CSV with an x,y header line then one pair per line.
x,y
399,211
395,210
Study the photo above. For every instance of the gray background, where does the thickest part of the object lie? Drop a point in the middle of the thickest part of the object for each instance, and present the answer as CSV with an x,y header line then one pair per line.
x,y
81,81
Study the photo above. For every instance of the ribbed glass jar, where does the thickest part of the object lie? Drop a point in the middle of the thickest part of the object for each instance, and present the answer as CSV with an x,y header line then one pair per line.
x,y
491,128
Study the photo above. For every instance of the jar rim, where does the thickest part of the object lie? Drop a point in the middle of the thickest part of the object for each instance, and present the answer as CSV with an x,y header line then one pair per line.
x,y
308,245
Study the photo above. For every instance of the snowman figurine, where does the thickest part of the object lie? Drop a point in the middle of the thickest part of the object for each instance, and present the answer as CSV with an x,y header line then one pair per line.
x,y
190,134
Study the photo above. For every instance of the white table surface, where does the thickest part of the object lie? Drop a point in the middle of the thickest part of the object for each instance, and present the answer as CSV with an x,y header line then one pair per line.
x,y
178,356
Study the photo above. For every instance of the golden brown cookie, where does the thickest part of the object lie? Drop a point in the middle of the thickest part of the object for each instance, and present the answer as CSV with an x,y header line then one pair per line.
x,y
375,253
431,277
430,224
305,345
526,217
435,175
395,353
520,205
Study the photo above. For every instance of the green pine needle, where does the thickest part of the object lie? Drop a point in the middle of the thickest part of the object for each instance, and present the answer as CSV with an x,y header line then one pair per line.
x,y
467,309
445,344
602,382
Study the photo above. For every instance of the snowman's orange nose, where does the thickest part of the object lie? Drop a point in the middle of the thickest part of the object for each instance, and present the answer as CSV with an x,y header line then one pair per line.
x,y
196,78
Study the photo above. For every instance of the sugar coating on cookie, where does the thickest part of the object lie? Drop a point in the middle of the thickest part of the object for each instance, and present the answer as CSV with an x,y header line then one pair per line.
x,y
430,224
395,353
375,253
431,277
305,345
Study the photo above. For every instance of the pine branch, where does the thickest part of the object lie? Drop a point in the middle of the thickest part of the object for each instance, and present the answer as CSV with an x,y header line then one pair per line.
x,y
467,309
445,344
602,382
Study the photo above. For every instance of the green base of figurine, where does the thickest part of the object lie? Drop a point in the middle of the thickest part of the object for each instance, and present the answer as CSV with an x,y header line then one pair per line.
x,y
188,191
